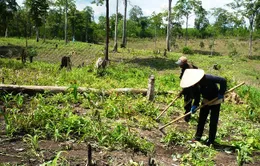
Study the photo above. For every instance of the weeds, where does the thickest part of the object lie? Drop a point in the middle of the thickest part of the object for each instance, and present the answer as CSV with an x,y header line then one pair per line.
x,y
244,153
199,155
58,160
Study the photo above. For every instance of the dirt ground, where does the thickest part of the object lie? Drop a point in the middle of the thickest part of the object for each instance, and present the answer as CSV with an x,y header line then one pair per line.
x,y
16,152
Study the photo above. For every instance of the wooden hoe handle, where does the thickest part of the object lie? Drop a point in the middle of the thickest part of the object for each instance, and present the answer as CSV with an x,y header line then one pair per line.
x,y
208,103
178,96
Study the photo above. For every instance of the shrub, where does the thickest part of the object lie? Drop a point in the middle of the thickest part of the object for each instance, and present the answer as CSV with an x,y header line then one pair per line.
x,y
187,50
202,45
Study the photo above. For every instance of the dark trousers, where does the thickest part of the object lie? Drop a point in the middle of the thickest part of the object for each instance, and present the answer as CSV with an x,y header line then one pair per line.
x,y
187,107
188,97
214,116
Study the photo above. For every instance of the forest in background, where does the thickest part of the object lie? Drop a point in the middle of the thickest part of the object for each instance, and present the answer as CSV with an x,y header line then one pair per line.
x,y
49,19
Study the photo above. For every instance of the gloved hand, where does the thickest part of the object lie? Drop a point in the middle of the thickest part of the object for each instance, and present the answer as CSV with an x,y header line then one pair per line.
x,y
220,96
193,109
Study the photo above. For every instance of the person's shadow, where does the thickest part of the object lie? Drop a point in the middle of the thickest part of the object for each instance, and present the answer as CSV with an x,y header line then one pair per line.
x,y
224,147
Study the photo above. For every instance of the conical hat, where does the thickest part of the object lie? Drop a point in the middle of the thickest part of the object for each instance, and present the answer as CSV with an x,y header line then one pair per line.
x,y
191,77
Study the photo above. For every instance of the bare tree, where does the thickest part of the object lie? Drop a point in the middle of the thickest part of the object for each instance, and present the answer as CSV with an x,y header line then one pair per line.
x,y
249,9
116,24
100,2
169,27
124,25
66,22
107,29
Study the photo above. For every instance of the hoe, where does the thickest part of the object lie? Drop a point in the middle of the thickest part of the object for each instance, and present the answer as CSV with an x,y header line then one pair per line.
x,y
208,103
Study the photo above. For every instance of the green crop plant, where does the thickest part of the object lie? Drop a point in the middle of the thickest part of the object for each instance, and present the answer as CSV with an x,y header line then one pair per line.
x,y
19,99
58,160
146,123
32,141
74,88
199,155
252,97
7,125
7,98
174,137
244,153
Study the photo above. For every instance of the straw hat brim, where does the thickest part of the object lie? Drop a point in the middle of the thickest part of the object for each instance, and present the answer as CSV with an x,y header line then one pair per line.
x,y
191,77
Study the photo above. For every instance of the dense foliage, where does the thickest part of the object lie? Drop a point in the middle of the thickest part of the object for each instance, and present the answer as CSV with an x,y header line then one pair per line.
x,y
47,19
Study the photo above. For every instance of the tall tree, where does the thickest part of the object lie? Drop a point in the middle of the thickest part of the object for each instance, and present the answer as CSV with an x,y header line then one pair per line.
x,y
124,25
54,23
116,25
135,13
249,9
98,2
66,22
64,4
223,20
169,26
184,8
37,10
257,21
8,9
72,18
157,21
201,21
88,17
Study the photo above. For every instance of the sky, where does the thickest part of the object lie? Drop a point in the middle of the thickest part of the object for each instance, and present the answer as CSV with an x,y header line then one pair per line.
x,y
147,6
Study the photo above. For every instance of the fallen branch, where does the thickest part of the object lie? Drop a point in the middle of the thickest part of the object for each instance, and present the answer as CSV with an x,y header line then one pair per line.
x,y
28,89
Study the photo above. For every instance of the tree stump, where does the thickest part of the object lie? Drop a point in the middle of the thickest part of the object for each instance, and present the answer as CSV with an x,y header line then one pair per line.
x,y
151,162
165,53
100,63
65,62
23,55
89,155
150,90
31,59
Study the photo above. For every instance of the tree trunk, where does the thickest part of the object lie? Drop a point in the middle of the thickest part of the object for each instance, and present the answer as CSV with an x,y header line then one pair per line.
x,y
66,21
31,59
86,35
37,34
124,25
169,26
6,32
107,29
73,27
155,38
212,45
250,37
44,29
186,33
30,27
116,22
62,89
150,90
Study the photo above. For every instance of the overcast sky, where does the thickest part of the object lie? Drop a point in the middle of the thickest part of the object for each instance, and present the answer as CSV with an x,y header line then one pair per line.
x,y
147,6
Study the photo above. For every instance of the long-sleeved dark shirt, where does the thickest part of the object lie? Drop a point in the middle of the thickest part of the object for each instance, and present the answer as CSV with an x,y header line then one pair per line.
x,y
186,66
209,87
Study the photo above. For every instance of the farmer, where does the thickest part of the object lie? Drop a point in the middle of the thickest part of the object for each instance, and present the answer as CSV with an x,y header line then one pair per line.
x,y
208,89
186,92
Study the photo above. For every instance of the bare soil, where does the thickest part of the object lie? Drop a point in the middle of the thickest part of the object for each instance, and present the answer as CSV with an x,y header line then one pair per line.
x,y
16,152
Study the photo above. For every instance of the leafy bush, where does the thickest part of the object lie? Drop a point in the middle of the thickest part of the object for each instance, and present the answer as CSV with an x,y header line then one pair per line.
x,y
187,50
202,45
31,52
